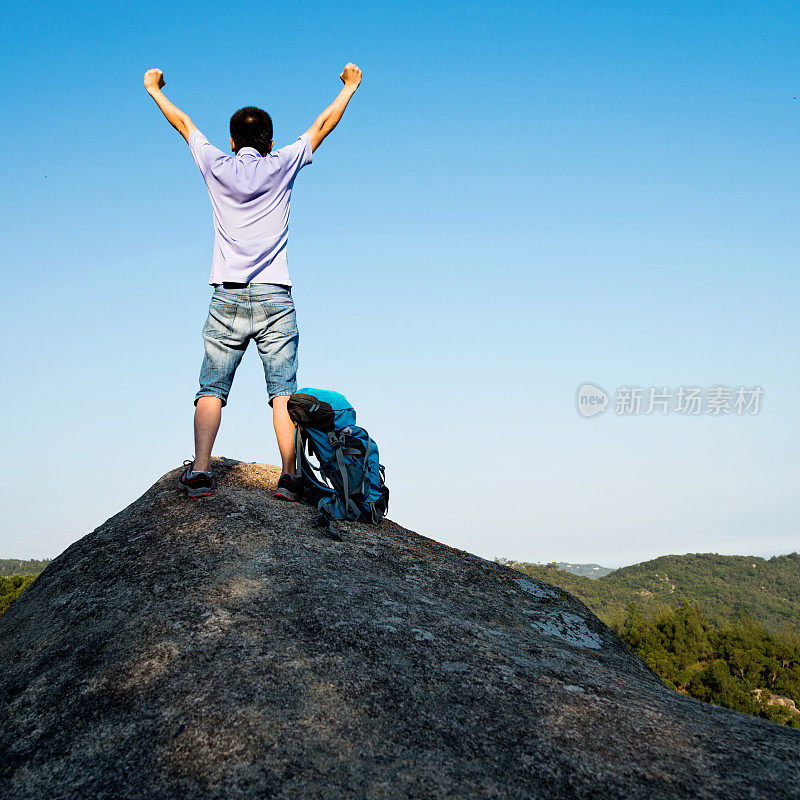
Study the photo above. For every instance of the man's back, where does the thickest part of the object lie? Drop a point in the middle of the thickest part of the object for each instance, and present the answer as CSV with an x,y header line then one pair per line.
x,y
250,198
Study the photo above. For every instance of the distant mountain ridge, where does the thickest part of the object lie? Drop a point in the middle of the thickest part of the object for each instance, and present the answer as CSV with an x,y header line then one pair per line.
x,y
585,570
17,566
725,587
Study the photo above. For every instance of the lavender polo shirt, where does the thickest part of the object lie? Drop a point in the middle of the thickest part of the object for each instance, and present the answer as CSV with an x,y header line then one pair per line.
x,y
250,196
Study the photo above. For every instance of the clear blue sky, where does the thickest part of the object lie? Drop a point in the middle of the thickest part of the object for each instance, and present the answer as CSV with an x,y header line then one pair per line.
x,y
522,197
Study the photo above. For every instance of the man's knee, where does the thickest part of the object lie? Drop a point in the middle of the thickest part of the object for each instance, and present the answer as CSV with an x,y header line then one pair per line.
x,y
210,400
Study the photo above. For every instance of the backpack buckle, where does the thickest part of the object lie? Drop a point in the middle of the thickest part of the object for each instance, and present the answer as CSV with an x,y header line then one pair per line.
x,y
336,440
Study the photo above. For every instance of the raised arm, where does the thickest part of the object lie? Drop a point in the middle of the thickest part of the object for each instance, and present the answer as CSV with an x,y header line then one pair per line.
x,y
154,82
329,118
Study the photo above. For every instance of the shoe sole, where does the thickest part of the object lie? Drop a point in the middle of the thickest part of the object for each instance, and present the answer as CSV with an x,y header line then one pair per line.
x,y
285,494
193,494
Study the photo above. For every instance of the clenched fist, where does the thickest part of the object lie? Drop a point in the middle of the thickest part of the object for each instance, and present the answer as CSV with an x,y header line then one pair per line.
x,y
154,79
351,75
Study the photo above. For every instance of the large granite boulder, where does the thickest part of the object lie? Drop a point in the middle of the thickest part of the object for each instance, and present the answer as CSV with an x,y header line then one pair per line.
x,y
227,648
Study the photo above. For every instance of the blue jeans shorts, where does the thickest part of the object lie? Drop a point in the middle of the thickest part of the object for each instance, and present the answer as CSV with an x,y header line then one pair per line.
x,y
260,311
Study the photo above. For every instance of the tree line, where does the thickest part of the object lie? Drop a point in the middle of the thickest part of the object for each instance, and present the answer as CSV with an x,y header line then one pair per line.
x,y
725,587
11,588
18,566
733,643
741,666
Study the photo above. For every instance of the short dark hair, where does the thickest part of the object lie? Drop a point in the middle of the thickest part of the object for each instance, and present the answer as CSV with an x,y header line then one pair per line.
x,y
251,127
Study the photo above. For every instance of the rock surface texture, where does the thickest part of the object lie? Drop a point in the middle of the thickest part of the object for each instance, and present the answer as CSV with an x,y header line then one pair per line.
x,y
226,648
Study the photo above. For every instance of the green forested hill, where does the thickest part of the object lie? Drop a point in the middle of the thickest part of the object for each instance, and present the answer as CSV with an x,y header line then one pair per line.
x,y
740,666
15,566
723,629
11,588
724,587
15,577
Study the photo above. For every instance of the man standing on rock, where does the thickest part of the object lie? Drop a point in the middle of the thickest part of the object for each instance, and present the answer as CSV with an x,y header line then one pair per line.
x,y
250,193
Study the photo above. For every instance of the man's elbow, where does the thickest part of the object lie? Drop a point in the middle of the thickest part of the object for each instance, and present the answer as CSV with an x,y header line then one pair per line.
x,y
316,133
185,126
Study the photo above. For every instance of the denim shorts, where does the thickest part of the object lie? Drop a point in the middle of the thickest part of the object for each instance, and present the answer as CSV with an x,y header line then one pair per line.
x,y
260,311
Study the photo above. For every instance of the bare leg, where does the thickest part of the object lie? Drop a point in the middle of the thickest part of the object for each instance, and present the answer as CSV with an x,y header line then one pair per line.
x,y
284,432
207,416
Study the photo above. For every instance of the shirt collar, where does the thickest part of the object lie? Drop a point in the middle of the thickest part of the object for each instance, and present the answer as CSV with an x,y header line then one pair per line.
x,y
248,151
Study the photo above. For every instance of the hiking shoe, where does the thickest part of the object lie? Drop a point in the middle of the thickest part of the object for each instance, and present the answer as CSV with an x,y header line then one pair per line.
x,y
197,485
289,488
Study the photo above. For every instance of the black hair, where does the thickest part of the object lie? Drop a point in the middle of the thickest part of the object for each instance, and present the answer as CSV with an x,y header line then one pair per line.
x,y
251,127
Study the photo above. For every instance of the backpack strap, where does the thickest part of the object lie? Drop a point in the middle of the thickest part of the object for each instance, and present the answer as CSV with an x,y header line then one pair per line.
x,y
365,480
306,469
322,520
298,451
336,444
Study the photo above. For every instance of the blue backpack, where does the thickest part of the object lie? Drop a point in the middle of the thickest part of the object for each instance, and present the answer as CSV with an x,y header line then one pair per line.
x,y
348,480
